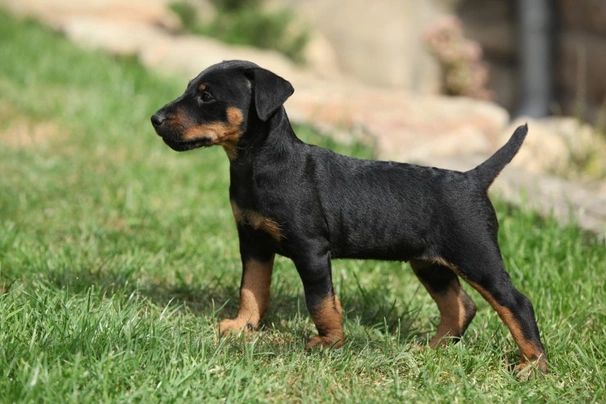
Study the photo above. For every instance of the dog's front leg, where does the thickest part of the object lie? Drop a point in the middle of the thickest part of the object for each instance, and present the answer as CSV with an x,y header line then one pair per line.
x,y
254,294
321,301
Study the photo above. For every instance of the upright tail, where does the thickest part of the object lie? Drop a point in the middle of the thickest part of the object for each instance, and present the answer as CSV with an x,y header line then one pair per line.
x,y
490,169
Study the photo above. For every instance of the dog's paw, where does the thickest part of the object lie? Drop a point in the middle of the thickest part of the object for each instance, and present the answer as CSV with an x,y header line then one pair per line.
x,y
531,369
234,326
325,341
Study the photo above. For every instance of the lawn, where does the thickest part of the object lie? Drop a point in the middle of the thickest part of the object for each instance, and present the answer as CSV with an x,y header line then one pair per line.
x,y
118,257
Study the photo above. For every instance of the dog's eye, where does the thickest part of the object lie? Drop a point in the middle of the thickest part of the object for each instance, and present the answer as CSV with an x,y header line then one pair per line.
x,y
206,96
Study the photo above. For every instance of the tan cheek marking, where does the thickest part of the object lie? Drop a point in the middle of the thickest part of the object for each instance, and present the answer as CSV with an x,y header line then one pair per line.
x,y
219,133
212,131
256,221
232,136
254,296
234,116
179,119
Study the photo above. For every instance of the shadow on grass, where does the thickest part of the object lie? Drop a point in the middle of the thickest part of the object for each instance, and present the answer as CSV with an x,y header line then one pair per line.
x,y
197,297
366,309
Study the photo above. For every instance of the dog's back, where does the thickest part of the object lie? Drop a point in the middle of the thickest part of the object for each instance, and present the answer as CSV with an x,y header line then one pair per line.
x,y
417,203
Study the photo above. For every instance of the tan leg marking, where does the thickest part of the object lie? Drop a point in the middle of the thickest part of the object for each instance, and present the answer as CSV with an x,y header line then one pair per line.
x,y
328,319
455,306
254,297
527,348
530,351
456,311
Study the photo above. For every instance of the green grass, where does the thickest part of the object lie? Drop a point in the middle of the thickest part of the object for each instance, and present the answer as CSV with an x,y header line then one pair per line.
x,y
118,257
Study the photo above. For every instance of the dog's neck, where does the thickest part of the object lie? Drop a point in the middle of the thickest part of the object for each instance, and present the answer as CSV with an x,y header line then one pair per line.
x,y
264,144
272,139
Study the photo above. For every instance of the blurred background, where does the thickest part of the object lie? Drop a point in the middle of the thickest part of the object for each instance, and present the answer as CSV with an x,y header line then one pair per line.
x,y
534,57
415,79
118,257
542,56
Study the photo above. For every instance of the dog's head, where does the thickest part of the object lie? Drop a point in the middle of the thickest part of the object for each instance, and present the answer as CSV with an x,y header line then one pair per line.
x,y
217,105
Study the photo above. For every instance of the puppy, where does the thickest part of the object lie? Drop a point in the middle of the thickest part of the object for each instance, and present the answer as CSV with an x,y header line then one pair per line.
x,y
312,205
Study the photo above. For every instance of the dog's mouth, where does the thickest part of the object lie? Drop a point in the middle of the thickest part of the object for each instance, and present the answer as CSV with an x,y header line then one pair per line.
x,y
179,145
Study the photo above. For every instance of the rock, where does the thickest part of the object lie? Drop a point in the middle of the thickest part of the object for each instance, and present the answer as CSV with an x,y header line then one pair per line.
x,y
152,12
190,54
119,37
157,48
320,56
567,201
446,127
376,41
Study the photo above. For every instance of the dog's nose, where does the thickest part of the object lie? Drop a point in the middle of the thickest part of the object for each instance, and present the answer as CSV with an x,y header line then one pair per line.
x,y
158,119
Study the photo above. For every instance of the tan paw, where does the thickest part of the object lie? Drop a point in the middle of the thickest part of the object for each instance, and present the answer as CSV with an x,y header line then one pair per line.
x,y
234,326
329,341
531,369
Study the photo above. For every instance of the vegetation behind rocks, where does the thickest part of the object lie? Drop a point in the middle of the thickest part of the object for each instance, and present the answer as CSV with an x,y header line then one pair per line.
x,y
245,22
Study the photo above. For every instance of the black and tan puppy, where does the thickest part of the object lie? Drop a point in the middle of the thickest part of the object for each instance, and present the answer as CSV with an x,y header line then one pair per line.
x,y
313,205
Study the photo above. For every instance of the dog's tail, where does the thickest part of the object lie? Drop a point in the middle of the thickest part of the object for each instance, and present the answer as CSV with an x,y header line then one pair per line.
x,y
490,169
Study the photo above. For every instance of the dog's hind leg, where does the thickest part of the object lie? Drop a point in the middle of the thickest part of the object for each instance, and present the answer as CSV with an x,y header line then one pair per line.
x,y
484,270
455,306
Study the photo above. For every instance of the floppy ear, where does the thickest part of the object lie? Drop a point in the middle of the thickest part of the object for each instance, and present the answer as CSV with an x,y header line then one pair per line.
x,y
270,92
